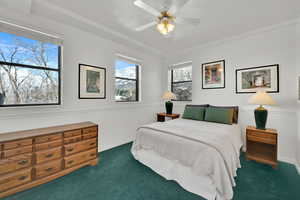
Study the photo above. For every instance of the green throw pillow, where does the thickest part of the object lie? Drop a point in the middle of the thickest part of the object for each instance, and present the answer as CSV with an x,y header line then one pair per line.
x,y
195,113
219,115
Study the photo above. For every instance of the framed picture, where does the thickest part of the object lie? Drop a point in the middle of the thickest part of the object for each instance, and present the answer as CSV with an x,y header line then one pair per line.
x,y
213,75
92,82
248,80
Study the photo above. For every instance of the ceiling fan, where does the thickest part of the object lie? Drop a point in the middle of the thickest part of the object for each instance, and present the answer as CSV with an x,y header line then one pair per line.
x,y
166,19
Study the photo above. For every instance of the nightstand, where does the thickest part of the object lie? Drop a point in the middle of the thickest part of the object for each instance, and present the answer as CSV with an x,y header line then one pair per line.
x,y
161,116
262,145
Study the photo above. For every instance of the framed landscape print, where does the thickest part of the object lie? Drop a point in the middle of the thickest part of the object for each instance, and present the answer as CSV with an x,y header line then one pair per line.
x,y
248,80
213,75
92,82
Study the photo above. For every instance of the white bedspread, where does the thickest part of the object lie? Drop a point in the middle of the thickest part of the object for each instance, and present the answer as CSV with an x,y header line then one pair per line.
x,y
201,156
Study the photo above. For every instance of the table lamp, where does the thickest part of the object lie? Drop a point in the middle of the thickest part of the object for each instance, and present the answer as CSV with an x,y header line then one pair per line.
x,y
261,114
169,105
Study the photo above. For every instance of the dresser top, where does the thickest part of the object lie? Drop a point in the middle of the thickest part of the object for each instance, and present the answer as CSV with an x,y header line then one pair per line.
x,y
43,131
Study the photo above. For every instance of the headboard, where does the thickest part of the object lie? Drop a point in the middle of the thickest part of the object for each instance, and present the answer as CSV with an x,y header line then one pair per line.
x,y
235,112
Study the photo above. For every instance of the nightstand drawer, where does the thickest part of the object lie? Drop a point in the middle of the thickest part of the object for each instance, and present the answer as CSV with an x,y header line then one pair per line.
x,y
261,135
261,139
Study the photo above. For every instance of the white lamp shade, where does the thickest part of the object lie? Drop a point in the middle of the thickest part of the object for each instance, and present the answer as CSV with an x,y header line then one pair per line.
x,y
168,95
261,98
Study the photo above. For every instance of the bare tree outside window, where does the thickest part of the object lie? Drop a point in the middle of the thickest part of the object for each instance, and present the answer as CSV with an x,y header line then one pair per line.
x,y
29,71
181,83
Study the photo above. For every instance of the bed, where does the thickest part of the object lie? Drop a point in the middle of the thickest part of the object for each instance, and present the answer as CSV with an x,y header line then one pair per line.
x,y
201,156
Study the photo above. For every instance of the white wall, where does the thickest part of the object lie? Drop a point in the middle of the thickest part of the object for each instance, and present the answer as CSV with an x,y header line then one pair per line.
x,y
274,45
298,75
117,121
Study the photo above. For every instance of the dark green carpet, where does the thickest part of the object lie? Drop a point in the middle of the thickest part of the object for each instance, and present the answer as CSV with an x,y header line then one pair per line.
x,y
120,177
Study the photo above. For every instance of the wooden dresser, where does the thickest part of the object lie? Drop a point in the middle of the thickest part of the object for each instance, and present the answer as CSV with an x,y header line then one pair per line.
x,y
33,157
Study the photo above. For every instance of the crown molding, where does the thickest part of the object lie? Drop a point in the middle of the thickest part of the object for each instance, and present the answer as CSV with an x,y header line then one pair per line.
x,y
80,21
245,35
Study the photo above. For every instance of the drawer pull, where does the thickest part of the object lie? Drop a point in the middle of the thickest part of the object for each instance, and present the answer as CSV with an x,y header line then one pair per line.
x,y
70,162
93,143
71,149
92,154
23,162
21,178
49,155
49,169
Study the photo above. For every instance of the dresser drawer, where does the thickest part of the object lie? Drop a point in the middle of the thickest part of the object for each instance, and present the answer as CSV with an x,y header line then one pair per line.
x,y
48,138
48,145
261,135
80,158
72,133
15,179
17,143
13,152
89,130
48,168
80,146
15,163
70,140
46,155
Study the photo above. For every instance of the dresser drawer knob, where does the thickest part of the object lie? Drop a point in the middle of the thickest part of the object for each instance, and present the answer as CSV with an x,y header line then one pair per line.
x,y
21,178
23,162
49,155
92,154
93,143
49,169
71,149
70,162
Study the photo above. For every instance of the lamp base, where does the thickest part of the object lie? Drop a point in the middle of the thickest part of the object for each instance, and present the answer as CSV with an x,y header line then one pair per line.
x,y
261,115
169,107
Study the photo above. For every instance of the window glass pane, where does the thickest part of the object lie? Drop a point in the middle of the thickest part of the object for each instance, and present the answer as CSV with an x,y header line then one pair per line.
x,y
125,90
182,74
183,91
19,85
125,70
16,49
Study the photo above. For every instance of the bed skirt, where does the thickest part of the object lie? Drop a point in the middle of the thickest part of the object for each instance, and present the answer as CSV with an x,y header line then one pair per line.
x,y
173,170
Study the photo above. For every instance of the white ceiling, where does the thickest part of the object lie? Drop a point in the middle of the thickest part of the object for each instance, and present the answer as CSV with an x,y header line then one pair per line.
x,y
220,19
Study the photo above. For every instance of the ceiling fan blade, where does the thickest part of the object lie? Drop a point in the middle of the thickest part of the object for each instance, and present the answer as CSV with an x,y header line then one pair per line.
x,y
177,5
143,27
146,7
191,21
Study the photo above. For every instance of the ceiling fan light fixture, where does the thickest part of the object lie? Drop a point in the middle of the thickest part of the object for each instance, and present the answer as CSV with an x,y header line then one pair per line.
x,y
165,25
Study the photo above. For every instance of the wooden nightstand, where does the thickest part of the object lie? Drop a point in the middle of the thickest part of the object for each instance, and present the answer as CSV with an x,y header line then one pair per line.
x,y
262,145
161,116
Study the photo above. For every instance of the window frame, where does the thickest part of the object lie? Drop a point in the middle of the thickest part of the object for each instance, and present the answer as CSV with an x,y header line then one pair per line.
x,y
137,80
176,82
58,70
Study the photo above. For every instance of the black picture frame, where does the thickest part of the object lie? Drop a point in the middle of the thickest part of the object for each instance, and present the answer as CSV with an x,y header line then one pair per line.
x,y
224,74
80,65
259,67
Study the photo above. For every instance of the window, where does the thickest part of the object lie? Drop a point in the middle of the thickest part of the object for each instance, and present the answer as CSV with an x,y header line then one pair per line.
x,y
127,81
181,82
29,71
